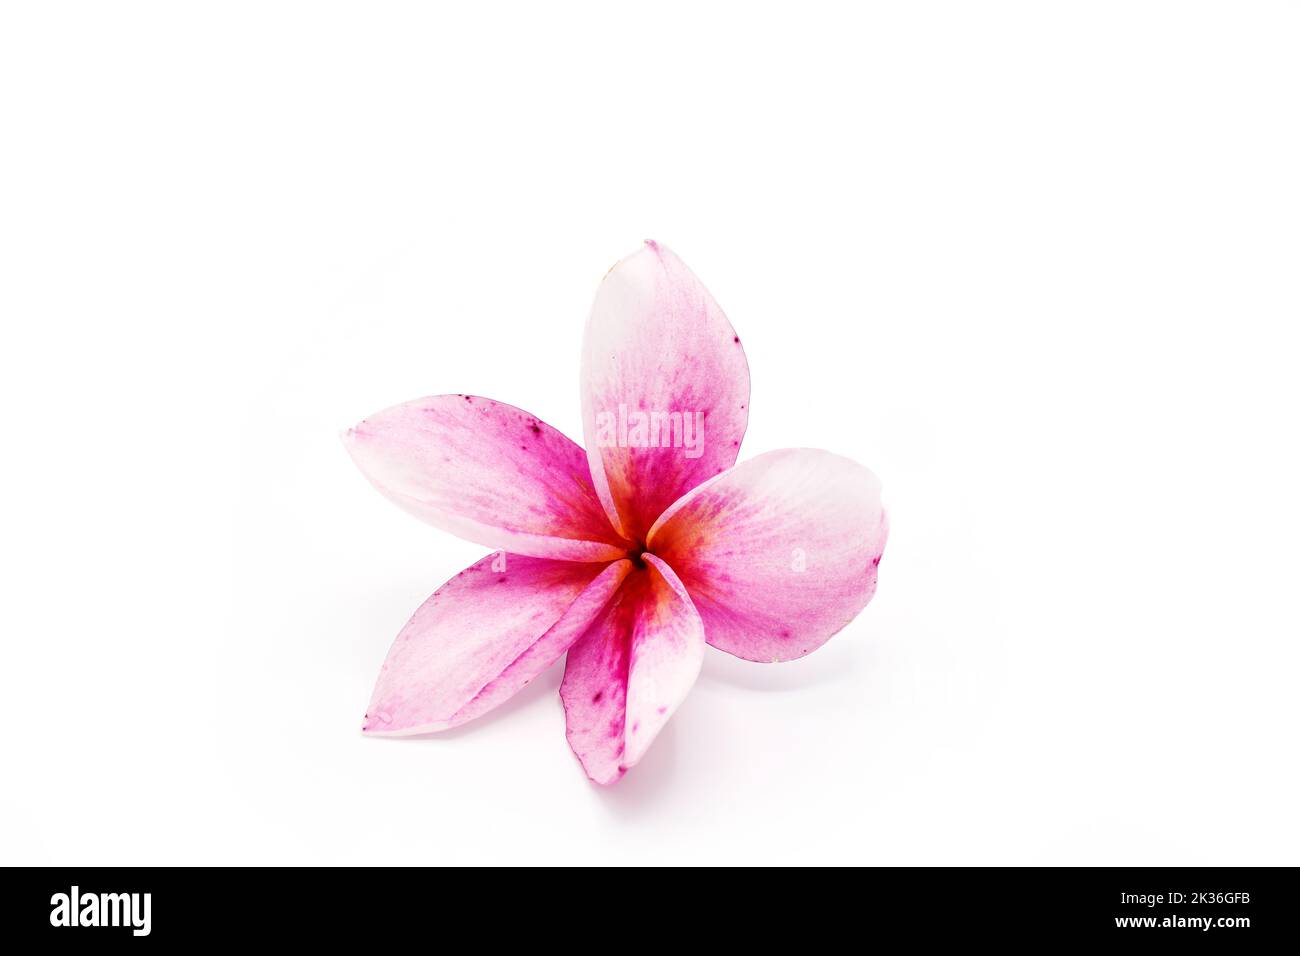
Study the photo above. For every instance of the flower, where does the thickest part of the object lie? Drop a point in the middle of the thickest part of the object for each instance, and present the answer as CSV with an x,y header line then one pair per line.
x,y
630,556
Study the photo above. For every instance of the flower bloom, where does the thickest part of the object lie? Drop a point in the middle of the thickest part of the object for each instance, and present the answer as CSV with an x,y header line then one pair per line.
x,y
629,556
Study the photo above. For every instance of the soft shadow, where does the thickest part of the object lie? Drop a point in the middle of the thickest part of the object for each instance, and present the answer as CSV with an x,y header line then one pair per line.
x,y
642,788
824,666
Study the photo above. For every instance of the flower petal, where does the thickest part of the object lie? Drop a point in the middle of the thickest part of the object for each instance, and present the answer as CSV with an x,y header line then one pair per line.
x,y
779,553
624,678
656,342
482,636
487,472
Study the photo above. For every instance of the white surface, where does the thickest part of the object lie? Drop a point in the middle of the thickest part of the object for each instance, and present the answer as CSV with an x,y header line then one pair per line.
x,y
1034,265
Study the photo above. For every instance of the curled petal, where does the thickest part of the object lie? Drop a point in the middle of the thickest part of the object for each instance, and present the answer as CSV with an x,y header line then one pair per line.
x,y
658,346
487,472
778,553
482,636
626,675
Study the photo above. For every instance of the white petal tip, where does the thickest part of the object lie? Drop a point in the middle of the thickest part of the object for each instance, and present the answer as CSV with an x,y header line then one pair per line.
x,y
377,727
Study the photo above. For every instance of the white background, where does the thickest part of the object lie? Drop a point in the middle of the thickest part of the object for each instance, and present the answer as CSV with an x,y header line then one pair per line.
x,y
1034,264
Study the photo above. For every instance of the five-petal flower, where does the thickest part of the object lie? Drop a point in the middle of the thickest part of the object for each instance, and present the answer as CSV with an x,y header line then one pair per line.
x,y
630,556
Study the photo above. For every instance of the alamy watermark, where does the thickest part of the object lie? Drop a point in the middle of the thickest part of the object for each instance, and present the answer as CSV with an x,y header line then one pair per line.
x,y
651,429
102,909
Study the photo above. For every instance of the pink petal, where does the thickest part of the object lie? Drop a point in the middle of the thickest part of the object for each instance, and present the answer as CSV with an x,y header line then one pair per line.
x,y
487,472
624,678
779,553
656,342
482,636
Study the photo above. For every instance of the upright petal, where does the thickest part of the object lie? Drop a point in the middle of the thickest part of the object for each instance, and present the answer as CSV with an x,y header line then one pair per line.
x,y
626,675
779,553
658,346
482,636
487,472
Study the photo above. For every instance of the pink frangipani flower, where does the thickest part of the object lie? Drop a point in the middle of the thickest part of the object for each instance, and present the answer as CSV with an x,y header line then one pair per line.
x,y
630,556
